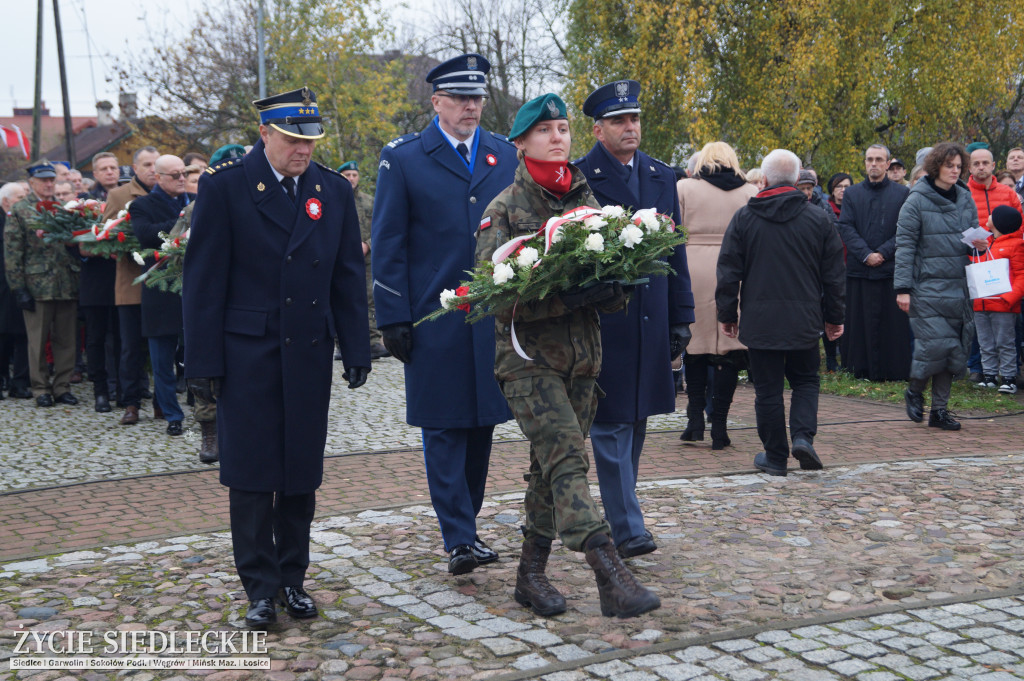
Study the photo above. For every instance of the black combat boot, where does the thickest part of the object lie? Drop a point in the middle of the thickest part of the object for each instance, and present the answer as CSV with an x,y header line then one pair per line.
x,y
208,452
532,586
621,595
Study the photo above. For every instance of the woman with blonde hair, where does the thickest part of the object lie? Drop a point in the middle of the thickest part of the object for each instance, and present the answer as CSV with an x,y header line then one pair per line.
x,y
707,201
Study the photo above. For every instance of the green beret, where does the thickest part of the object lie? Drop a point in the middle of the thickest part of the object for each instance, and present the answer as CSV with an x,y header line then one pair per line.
x,y
348,165
547,107
974,146
228,151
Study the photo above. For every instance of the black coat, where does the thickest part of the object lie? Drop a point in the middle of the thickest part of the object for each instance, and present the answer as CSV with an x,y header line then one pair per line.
x,y
867,224
637,372
263,278
96,281
11,320
783,258
161,310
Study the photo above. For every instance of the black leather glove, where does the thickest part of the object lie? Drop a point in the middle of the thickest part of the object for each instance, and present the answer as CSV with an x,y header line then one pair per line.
x,y
24,300
678,338
603,294
398,340
206,389
356,376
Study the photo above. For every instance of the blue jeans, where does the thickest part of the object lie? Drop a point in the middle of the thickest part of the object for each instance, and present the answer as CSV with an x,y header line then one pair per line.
x,y
161,356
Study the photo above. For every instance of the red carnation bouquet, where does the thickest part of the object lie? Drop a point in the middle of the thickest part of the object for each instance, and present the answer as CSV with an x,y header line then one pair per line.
x,y
59,224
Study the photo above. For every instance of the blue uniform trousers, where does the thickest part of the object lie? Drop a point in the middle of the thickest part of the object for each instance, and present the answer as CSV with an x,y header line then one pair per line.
x,y
617,448
456,460
270,539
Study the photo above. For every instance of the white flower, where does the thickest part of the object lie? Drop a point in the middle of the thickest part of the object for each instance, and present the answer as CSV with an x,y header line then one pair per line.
x,y
595,242
122,213
72,204
138,258
503,272
594,223
527,257
448,298
556,236
648,217
614,211
630,236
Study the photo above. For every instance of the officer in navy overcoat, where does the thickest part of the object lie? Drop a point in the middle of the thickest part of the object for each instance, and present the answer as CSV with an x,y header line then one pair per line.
x,y
273,267
432,188
640,342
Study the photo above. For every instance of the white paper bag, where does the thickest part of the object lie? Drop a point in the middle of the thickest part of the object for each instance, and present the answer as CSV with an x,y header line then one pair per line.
x,y
988,278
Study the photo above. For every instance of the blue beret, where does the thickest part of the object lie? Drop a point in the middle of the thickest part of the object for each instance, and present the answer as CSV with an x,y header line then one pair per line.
x,y
294,113
463,75
613,99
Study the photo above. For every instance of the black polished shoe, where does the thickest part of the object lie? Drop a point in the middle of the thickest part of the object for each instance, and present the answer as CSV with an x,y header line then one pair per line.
x,y
261,613
942,418
461,560
66,398
915,405
174,427
102,404
803,451
45,400
483,553
297,602
637,546
21,393
761,464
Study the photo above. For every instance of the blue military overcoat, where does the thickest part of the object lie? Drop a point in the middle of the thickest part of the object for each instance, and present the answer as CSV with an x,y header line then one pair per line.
x,y
425,216
636,373
264,279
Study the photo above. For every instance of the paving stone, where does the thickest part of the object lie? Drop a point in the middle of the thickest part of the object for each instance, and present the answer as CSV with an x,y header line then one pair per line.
x,y
502,646
970,648
568,652
824,656
762,654
651,660
878,676
735,645
799,645
725,663
697,654
679,672
850,667
1005,642
771,637
531,661
607,669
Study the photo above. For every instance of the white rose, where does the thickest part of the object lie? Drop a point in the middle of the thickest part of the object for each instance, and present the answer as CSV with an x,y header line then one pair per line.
x,y
556,236
447,298
72,204
648,217
595,242
503,272
527,257
122,213
614,211
594,223
630,236
138,258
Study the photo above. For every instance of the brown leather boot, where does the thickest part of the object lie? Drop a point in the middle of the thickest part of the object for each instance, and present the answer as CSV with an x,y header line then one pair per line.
x,y
131,416
208,452
621,595
532,586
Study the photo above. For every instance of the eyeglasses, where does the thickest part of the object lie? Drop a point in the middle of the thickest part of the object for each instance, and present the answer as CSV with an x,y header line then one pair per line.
x,y
463,100
174,176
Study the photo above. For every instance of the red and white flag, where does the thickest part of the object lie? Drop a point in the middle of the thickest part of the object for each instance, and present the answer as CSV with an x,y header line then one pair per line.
x,y
13,137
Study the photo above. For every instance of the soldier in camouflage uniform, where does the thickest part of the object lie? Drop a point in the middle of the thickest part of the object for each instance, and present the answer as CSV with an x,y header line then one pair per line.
x,y
44,281
554,395
203,410
364,209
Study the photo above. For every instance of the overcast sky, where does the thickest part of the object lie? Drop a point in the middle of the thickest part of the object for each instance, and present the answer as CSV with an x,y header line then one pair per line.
x,y
93,31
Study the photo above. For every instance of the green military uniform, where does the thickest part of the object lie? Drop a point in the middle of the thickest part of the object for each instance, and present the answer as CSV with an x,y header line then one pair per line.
x,y
554,395
202,410
364,209
49,272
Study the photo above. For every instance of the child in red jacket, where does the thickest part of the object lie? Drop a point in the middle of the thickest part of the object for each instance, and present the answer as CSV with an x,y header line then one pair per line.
x,y
996,316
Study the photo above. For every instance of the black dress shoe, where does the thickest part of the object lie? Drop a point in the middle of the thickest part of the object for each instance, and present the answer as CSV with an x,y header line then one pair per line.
x,y
66,398
637,546
174,428
803,451
21,393
297,602
45,400
261,613
102,404
915,405
483,553
761,463
461,560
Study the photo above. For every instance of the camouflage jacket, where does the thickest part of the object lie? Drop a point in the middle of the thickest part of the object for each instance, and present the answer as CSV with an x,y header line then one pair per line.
x,y
184,221
559,340
48,271
364,209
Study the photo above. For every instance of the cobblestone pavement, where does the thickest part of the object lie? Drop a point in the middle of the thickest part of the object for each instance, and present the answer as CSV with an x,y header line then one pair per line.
x,y
873,572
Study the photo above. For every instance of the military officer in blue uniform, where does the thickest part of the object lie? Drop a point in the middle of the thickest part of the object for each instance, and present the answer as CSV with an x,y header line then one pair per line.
x,y
640,342
273,269
432,188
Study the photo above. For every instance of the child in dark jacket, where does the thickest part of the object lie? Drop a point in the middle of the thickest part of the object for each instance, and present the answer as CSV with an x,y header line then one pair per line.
x,y
996,316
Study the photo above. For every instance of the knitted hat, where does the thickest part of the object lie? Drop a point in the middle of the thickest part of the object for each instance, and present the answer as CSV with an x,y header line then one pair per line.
x,y
1006,219
807,176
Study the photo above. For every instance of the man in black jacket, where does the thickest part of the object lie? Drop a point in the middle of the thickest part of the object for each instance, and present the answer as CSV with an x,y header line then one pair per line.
x,y
789,261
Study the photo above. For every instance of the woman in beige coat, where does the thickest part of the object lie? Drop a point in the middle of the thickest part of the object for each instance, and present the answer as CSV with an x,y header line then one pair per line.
x,y
708,201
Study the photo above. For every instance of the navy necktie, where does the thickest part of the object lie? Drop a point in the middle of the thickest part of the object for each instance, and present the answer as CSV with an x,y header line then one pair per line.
x,y
463,151
289,186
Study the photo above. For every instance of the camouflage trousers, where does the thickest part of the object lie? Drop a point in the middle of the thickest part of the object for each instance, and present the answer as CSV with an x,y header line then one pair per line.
x,y
375,335
203,411
555,414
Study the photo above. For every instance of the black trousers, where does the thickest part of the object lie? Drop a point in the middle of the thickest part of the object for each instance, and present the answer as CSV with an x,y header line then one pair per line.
x,y
800,368
14,355
100,323
133,355
270,539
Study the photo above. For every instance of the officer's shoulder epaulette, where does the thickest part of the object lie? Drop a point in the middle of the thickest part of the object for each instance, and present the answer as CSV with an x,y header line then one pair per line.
x,y
659,162
501,138
230,163
330,170
404,139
